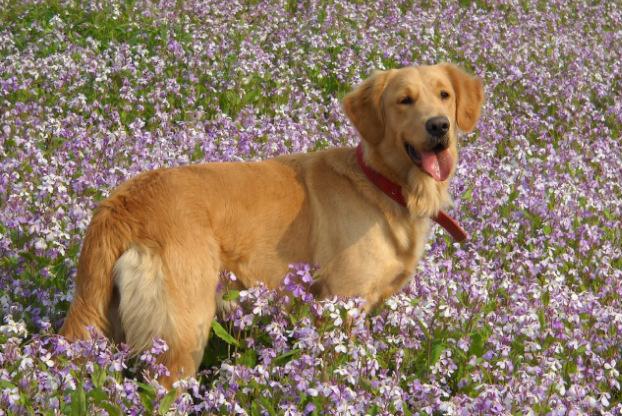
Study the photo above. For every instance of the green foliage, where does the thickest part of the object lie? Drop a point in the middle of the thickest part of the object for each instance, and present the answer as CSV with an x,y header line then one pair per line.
x,y
222,333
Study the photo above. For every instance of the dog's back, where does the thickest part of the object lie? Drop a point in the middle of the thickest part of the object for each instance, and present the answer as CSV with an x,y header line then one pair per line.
x,y
152,255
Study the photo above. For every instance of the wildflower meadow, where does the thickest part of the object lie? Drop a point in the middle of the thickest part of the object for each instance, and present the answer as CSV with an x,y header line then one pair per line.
x,y
525,318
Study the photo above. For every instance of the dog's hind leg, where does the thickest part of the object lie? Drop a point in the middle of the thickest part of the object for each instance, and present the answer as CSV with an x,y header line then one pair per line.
x,y
169,295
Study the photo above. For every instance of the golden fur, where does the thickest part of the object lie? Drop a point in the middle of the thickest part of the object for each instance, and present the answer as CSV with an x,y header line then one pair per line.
x,y
152,255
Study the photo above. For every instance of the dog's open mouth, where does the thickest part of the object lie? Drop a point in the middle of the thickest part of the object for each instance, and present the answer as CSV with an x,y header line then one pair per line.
x,y
436,163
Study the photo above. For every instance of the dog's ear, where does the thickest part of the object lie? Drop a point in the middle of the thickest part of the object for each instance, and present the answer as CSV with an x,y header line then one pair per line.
x,y
363,106
469,96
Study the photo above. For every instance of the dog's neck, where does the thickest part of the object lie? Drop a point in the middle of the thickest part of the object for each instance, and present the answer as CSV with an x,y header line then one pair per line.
x,y
394,191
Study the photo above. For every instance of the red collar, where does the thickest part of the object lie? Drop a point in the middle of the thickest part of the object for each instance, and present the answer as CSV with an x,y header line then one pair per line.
x,y
394,191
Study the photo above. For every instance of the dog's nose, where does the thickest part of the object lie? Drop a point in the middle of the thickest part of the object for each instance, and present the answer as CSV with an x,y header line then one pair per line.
x,y
437,126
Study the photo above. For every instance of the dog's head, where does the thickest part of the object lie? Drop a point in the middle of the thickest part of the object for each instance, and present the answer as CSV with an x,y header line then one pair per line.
x,y
410,118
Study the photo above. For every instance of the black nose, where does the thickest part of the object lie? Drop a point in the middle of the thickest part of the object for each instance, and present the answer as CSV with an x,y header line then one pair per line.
x,y
437,126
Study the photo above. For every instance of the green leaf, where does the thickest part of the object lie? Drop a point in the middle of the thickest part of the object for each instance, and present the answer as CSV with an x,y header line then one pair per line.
x,y
248,358
78,401
166,402
255,410
147,396
223,334
231,295
477,344
98,395
571,367
198,154
374,410
435,352
6,385
468,195
113,410
319,406
99,376
546,298
286,357
267,405
542,319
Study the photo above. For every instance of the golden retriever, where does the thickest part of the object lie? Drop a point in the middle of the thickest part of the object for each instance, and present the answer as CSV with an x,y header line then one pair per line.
x,y
152,255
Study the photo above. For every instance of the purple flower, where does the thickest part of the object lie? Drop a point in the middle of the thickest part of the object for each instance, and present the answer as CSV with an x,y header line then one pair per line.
x,y
524,318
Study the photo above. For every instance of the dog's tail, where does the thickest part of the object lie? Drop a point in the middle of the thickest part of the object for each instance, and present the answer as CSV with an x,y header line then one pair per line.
x,y
107,237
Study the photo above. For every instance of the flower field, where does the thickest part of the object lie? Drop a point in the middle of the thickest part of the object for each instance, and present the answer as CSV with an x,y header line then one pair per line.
x,y
523,319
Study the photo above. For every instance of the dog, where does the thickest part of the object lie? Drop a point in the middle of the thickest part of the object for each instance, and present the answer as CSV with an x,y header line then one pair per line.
x,y
153,252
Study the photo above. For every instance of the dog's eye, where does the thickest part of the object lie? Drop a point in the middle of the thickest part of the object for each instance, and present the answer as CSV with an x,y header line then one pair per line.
x,y
407,100
444,95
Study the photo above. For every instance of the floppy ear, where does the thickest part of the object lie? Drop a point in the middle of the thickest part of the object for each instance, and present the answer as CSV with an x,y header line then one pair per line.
x,y
363,106
469,96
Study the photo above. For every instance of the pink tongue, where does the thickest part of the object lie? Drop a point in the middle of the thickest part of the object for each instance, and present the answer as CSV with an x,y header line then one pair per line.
x,y
436,164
